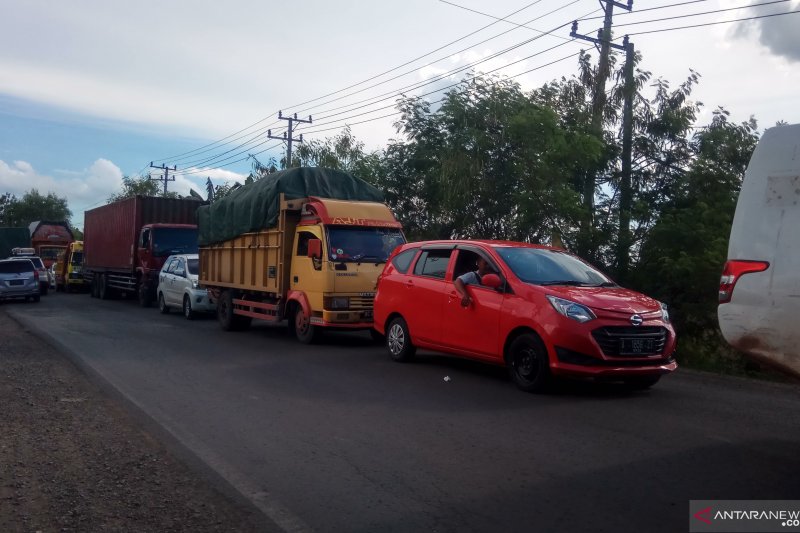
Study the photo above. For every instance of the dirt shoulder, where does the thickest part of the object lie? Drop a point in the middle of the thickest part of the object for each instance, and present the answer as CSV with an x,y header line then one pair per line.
x,y
74,460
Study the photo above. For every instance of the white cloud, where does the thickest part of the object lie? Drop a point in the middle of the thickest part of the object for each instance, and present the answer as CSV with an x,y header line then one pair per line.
x,y
82,189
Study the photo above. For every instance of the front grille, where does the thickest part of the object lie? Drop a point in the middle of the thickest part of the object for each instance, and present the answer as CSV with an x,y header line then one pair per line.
x,y
576,358
361,302
631,341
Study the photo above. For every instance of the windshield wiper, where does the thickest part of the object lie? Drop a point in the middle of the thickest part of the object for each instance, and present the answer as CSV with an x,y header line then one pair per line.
x,y
377,259
572,282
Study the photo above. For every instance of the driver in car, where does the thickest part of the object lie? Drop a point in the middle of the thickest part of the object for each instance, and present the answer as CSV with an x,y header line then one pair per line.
x,y
471,278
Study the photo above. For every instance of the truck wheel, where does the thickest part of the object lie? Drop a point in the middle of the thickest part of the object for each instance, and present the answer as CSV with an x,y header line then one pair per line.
x,y
162,305
227,319
305,332
145,298
188,313
105,290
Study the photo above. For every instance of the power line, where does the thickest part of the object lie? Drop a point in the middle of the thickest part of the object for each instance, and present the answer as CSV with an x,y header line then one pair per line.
x,y
715,23
394,93
206,148
687,15
624,13
355,84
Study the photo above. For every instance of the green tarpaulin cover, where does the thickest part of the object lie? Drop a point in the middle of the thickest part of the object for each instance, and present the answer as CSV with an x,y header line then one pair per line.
x,y
256,206
13,238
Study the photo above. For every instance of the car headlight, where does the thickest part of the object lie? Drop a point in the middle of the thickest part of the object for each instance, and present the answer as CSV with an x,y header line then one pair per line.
x,y
575,311
664,312
338,302
194,284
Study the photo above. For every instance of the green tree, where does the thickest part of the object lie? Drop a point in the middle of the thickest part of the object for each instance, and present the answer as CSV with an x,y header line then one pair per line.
x,y
682,255
341,152
490,162
142,186
7,200
33,206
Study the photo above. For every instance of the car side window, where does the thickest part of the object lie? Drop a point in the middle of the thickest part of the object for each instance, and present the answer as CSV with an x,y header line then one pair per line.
x,y
432,263
403,260
172,265
180,270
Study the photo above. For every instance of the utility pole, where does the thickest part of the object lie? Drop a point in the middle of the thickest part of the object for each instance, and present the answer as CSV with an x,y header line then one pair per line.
x,y
166,177
598,107
625,186
288,138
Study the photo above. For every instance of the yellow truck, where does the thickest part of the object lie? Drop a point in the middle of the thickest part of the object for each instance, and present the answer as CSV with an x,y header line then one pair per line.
x,y
305,244
68,268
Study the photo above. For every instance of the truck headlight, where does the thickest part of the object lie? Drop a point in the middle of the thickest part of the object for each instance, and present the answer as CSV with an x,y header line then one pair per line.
x,y
575,311
338,302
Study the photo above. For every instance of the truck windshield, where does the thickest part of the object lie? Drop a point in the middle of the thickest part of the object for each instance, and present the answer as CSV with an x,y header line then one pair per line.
x,y
356,244
77,258
541,266
168,241
50,253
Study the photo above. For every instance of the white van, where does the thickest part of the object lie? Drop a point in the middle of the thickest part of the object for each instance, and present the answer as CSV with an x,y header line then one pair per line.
x,y
759,292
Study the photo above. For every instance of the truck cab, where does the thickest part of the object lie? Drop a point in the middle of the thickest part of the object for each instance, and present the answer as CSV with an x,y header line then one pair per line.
x,y
68,269
156,243
339,250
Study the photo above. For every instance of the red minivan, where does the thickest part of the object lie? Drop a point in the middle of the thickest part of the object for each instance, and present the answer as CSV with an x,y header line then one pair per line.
x,y
539,311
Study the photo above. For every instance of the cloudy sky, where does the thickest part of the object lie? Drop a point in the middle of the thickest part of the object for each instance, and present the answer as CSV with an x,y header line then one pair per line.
x,y
91,90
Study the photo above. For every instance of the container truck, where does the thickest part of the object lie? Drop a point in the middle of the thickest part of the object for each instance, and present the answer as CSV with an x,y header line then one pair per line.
x,y
125,243
50,239
68,269
302,244
11,238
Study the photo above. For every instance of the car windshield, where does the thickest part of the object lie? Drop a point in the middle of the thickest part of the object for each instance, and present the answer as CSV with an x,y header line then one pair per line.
x,y
13,267
356,244
37,262
192,265
541,266
168,241
77,258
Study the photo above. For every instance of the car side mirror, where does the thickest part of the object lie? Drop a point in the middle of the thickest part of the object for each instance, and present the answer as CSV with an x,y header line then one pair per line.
x,y
315,248
492,281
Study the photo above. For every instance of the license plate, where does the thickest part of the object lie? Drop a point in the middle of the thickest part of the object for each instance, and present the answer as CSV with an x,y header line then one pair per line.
x,y
16,282
636,346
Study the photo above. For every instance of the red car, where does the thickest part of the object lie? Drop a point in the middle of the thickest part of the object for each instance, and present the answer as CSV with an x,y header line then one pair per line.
x,y
539,311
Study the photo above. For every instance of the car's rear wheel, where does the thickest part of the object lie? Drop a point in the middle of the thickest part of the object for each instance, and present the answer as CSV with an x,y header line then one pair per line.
x,y
528,363
162,304
641,383
188,313
398,341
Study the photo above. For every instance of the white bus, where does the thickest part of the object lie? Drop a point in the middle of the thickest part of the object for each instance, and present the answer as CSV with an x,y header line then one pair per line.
x,y
759,292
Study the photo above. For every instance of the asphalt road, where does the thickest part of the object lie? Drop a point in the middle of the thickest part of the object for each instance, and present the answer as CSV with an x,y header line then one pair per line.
x,y
336,437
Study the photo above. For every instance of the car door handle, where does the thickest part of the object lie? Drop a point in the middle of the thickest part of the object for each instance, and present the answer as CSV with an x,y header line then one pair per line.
x,y
409,284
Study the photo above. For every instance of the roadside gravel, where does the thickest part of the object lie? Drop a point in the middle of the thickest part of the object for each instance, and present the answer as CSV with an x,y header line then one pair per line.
x,y
71,459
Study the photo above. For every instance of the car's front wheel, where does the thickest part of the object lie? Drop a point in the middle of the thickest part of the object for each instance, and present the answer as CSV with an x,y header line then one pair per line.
x,y
188,312
398,341
528,364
